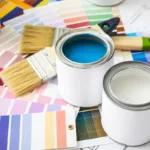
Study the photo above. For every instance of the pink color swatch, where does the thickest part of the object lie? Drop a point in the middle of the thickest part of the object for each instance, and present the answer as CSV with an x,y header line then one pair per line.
x,y
44,99
19,107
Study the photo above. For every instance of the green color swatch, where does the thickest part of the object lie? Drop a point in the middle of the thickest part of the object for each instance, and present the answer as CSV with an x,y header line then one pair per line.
x,y
89,125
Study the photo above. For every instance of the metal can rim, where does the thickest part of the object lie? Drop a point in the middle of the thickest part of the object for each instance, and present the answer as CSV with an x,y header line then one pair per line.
x,y
105,38
113,71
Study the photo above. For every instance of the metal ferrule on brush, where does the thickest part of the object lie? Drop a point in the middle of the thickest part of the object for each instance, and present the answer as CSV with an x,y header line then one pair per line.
x,y
43,65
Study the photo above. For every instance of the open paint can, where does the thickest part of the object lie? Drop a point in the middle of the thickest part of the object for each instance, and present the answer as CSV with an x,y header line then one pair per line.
x,y
83,56
106,2
126,103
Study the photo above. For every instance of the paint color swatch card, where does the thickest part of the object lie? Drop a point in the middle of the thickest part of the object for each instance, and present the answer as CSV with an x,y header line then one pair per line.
x,y
18,22
12,8
50,130
17,107
45,94
9,40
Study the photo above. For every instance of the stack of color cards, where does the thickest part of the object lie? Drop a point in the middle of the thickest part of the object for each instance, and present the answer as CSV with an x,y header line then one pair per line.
x,y
12,8
51,130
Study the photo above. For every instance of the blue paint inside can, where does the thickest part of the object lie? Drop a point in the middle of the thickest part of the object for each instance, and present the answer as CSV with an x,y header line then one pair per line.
x,y
84,48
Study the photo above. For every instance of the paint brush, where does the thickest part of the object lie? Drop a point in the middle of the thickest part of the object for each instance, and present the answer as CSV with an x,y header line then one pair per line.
x,y
30,73
34,38
123,42
37,69
131,43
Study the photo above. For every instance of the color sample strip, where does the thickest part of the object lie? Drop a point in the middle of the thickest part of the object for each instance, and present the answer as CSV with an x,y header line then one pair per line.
x,y
79,25
9,44
21,4
7,36
139,56
33,21
54,107
95,13
19,107
15,107
5,31
89,125
15,12
46,94
11,10
127,56
4,127
61,129
147,56
50,141
36,107
44,99
7,8
73,14
15,132
5,58
120,29
36,131
43,2
18,19
26,133
4,106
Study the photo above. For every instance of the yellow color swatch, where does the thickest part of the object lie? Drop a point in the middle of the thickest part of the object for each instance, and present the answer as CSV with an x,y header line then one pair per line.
x,y
44,2
49,131
21,4
6,9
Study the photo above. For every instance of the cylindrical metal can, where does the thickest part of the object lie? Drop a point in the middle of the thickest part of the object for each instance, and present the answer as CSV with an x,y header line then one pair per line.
x,y
81,84
106,2
126,103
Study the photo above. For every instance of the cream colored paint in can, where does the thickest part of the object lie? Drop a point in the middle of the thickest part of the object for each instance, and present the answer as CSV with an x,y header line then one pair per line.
x,y
126,103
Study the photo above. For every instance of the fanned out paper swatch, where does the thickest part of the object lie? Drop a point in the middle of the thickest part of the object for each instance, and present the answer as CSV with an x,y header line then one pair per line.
x,y
12,8
16,107
46,94
50,130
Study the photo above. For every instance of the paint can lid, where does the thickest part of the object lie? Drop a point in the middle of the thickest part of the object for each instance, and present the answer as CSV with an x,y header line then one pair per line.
x,y
127,85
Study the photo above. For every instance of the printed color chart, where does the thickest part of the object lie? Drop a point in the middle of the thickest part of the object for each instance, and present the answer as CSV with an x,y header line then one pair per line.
x,y
89,125
49,130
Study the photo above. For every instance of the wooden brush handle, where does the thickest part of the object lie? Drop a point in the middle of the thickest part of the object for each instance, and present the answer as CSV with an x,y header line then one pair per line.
x,y
131,43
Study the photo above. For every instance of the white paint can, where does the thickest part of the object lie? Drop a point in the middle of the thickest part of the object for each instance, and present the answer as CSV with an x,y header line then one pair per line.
x,y
126,103
80,84
106,2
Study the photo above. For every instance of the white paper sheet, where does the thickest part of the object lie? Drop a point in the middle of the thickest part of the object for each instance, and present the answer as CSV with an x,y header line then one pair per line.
x,y
135,15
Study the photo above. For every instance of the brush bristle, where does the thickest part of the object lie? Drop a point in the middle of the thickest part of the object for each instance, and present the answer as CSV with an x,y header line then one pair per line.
x,y
35,38
20,78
